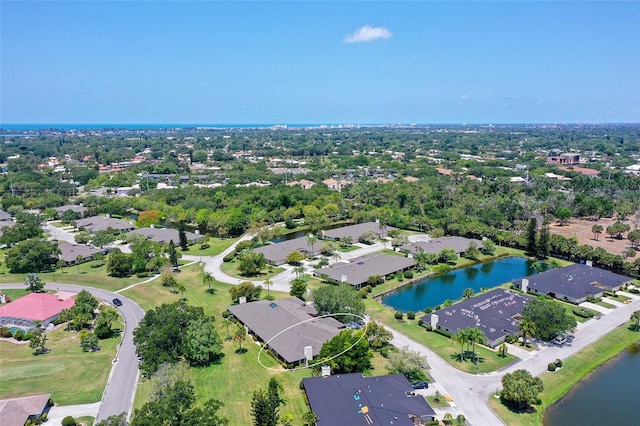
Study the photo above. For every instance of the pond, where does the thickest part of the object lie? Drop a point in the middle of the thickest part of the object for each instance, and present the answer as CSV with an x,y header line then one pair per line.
x,y
433,291
609,396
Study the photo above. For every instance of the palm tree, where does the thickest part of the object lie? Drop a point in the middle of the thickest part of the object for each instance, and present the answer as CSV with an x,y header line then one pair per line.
x,y
527,328
476,336
79,260
267,283
181,288
227,323
503,350
335,256
298,270
312,240
447,418
207,279
635,316
461,338
239,337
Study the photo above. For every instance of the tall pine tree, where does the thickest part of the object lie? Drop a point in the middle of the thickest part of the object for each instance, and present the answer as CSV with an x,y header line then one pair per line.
x,y
542,245
532,228
184,244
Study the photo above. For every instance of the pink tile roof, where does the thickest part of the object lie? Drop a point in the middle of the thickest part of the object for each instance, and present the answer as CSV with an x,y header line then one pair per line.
x,y
36,307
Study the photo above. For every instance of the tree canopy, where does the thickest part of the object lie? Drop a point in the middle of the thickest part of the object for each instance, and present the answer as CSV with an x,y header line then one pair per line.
x,y
338,299
550,319
521,389
173,332
356,359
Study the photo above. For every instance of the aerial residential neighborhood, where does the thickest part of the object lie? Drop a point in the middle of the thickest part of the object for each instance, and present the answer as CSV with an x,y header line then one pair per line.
x,y
222,213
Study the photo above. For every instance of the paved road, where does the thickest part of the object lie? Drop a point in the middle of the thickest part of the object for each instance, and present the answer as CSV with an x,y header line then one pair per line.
x,y
121,386
470,392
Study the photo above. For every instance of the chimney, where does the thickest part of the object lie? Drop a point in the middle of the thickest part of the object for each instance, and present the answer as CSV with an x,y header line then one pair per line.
x,y
242,300
308,354
525,285
434,320
589,263
343,279
326,371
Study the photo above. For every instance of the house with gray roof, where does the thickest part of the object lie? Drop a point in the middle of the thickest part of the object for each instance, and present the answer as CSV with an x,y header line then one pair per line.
x,y
17,411
287,327
74,208
435,246
69,252
103,223
164,235
356,400
357,271
497,313
574,283
276,254
354,231
6,224
4,216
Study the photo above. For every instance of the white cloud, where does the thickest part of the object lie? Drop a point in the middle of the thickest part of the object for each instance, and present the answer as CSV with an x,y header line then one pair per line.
x,y
367,33
464,97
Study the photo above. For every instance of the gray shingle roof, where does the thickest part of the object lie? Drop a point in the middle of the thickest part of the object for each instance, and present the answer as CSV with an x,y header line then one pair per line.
x,y
459,244
277,253
69,252
164,235
493,312
72,207
4,215
359,269
575,281
355,400
102,223
354,231
266,318
16,411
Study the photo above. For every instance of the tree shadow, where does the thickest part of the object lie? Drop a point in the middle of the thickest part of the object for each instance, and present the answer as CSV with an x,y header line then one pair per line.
x,y
515,409
242,351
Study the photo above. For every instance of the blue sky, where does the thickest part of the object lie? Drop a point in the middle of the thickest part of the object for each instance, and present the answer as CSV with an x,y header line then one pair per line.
x,y
319,62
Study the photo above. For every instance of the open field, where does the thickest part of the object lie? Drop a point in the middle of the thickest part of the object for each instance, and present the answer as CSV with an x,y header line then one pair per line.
x,y
574,369
216,246
581,229
231,268
72,376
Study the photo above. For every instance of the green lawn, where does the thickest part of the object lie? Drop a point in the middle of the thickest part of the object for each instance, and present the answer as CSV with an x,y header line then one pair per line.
x,y
231,268
70,375
604,304
238,375
619,298
216,246
574,369
441,403
94,277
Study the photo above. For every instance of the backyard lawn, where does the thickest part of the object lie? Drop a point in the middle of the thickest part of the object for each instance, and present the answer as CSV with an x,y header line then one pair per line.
x,y
231,268
238,375
70,375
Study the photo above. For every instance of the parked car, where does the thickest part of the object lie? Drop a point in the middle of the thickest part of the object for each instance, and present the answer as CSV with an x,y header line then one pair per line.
x,y
420,385
117,302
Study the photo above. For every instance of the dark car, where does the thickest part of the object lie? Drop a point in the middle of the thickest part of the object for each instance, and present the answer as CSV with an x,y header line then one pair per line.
x,y
420,385
117,302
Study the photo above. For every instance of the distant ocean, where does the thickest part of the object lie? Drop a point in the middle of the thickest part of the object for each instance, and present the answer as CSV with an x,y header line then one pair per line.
x,y
162,126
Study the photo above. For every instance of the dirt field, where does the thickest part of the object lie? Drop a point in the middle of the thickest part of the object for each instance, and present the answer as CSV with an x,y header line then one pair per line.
x,y
581,229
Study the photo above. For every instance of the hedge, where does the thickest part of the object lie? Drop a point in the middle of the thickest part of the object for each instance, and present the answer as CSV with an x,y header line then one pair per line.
x,y
442,332
583,313
229,257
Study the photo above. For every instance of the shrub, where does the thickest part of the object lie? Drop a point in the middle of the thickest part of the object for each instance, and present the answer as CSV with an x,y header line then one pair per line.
x,y
428,327
226,314
408,274
583,313
609,293
551,367
5,332
98,264
368,288
229,257
68,421
442,332
18,335
27,336
398,315
437,308
363,293
428,310
510,338
142,274
411,315
558,363
634,291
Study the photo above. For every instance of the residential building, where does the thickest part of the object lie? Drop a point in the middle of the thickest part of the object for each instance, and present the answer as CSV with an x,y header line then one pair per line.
x,y
17,411
356,400
358,270
69,252
436,245
354,231
44,307
497,313
103,223
287,327
164,235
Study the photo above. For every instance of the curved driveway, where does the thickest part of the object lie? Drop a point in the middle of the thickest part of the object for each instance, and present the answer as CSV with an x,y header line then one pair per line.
x,y
121,386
